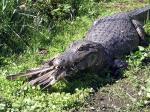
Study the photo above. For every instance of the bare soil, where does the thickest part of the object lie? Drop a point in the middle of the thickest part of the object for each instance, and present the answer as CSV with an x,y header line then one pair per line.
x,y
125,95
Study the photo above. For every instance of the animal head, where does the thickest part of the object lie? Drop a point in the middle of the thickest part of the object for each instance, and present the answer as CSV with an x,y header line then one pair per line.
x,y
79,56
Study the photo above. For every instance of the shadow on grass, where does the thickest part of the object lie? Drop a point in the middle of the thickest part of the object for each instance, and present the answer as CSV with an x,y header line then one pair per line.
x,y
146,61
11,44
85,80
3,62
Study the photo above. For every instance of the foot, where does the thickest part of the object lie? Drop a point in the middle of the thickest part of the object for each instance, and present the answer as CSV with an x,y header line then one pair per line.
x,y
144,43
118,65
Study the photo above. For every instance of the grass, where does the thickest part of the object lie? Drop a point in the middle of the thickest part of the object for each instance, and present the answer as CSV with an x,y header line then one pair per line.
x,y
17,96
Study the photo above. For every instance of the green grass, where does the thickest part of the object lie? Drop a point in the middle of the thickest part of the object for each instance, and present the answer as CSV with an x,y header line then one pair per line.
x,y
16,96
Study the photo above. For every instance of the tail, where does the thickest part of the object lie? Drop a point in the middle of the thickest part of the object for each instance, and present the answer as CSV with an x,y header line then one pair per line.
x,y
141,14
43,76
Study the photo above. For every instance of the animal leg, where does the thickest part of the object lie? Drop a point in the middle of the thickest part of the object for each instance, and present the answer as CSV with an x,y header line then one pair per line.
x,y
140,30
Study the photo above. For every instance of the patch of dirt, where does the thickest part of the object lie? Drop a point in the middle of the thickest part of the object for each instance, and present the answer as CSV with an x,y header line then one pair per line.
x,y
122,96
116,97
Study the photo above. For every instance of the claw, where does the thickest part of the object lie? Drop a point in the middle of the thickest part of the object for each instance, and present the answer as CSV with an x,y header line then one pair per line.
x,y
29,74
41,78
51,78
51,82
47,80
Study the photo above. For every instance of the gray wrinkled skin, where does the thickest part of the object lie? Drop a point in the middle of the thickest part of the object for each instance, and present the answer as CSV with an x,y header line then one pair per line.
x,y
81,55
116,34
109,39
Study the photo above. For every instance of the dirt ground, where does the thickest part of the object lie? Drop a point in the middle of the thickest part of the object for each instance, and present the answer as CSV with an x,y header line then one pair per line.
x,y
117,97
125,95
